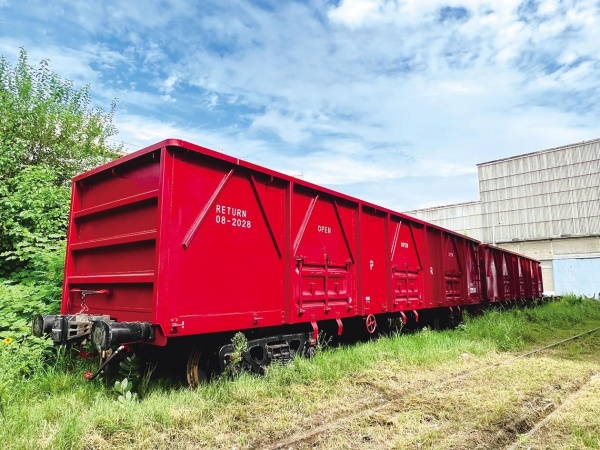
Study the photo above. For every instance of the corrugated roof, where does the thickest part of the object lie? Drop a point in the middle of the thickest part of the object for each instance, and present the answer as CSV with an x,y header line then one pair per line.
x,y
525,155
433,208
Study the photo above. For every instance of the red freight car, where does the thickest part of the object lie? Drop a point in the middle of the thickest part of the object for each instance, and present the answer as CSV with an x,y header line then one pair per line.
x,y
178,243
508,276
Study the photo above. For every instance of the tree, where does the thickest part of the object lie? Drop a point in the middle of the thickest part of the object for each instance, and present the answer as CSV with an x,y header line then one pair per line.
x,y
49,132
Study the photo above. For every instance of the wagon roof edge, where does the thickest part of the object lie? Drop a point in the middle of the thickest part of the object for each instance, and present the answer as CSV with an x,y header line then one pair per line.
x,y
186,145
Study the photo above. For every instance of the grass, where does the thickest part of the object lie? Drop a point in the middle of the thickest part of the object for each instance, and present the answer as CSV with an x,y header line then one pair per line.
x,y
575,426
56,408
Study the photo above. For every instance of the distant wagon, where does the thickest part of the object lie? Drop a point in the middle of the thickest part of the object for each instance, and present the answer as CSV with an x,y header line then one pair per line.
x,y
180,245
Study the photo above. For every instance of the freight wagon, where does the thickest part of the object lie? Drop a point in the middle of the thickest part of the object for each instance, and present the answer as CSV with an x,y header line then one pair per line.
x,y
508,276
179,245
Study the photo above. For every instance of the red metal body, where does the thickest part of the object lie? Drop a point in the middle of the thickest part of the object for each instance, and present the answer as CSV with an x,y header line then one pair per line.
x,y
508,276
196,242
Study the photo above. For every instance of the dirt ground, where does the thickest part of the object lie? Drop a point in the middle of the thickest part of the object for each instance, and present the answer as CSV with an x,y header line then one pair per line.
x,y
549,400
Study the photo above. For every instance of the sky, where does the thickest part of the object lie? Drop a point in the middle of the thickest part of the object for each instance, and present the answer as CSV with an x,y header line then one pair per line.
x,y
391,101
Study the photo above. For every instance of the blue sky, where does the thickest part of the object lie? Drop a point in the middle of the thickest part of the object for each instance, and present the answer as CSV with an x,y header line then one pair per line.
x,y
391,101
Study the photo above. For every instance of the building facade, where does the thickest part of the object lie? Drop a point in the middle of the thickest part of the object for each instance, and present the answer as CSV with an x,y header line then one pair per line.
x,y
545,205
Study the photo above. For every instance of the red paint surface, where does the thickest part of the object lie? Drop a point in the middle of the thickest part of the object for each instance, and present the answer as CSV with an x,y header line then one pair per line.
x,y
198,242
508,276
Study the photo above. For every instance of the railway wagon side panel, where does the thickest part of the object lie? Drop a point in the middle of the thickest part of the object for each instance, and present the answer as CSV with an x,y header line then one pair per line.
x,y
453,265
537,279
110,263
509,276
375,264
532,276
525,274
540,280
453,258
505,279
323,237
226,249
491,274
435,287
407,256
474,283
520,285
513,268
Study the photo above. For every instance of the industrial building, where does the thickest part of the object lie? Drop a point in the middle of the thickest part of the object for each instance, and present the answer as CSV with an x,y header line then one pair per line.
x,y
545,205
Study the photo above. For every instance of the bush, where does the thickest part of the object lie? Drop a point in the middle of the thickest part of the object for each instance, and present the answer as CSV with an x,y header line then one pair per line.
x,y
49,132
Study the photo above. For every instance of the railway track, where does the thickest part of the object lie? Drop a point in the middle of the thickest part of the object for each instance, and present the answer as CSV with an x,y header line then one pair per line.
x,y
546,419
381,405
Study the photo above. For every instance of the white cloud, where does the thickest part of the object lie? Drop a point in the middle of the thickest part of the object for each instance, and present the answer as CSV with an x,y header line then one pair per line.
x,y
212,101
169,84
352,94
289,129
140,131
355,12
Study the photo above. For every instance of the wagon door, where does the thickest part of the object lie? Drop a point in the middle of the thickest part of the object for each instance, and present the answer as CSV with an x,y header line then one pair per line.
x,y
374,286
323,228
506,278
473,272
492,274
453,271
435,269
407,266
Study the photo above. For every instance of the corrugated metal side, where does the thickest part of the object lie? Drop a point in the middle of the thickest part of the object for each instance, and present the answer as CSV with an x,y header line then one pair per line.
x,y
578,276
463,218
110,264
550,194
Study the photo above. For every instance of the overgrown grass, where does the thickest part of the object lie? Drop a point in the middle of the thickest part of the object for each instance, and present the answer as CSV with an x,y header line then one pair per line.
x,y
53,406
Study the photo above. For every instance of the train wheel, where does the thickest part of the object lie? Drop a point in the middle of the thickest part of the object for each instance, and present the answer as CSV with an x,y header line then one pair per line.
x,y
371,323
197,368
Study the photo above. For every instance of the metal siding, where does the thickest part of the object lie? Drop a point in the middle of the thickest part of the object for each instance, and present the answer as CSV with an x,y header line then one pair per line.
x,y
578,276
465,218
543,195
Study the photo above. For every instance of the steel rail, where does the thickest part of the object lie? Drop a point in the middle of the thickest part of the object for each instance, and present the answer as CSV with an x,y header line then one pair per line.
x,y
385,403
568,401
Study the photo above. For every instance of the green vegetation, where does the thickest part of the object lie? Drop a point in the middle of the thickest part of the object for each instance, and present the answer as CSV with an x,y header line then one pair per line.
x,y
55,407
49,132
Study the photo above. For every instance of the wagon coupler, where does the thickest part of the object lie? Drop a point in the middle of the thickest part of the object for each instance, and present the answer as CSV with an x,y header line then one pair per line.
x,y
104,332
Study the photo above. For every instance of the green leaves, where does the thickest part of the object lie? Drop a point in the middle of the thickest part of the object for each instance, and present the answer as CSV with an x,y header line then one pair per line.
x,y
47,121
33,218
49,132
123,389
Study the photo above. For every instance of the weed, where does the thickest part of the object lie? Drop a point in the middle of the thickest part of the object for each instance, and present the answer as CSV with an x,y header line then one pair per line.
x,y
240,346
236,363
323,341
52,406
124,392
129,368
